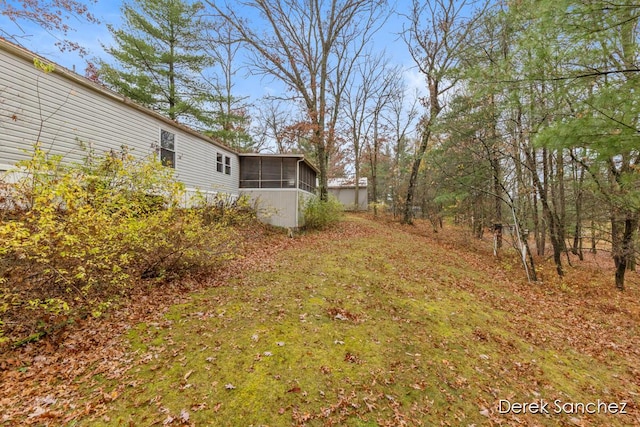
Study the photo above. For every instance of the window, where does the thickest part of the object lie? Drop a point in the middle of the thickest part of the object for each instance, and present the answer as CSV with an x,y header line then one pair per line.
x,y
227,165
219,164
307,179
271,173
167,148
276,172
289,173
249,172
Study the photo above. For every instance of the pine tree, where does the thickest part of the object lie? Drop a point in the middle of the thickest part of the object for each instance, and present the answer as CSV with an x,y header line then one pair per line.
x,y
601,76
159,59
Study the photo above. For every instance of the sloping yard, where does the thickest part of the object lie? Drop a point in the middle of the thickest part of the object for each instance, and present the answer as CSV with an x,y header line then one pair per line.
x,y
368,324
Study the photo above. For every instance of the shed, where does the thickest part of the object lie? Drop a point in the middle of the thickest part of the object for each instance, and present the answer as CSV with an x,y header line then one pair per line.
x,y
344,189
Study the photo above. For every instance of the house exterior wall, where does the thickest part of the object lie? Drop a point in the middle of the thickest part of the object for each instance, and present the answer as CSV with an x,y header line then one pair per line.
x,y
62,110
281,207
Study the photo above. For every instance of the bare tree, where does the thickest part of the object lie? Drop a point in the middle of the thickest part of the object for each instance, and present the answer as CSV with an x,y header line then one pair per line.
x,y
388,86
53,16
374,85
270,127
437,34
230,111
400,118
310,46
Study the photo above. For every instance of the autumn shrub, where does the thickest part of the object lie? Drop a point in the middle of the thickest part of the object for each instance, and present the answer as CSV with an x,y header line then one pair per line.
x,y
320,214
75,236
226,209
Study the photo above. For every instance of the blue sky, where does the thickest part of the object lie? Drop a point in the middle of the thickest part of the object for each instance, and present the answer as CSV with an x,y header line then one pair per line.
x,y
90,36
93,36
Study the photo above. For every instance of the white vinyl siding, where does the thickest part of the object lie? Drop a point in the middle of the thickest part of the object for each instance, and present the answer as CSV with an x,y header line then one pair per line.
x,y
63,112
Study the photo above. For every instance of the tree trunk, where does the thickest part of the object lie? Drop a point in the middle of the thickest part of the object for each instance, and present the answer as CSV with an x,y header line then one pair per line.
x,y
559,201
550,216
496,169
172,86
623,228
323,163
540,229
374,166
631,262
407,217
556,244
497,207
356,196
532,264
576,249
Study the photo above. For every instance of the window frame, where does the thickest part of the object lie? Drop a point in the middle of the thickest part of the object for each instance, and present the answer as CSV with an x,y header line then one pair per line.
x,y
166,151
262,172
227,165
219,163
307,179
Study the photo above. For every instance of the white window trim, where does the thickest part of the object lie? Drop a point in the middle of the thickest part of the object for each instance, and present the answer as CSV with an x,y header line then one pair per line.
x,y
227,165
175,146
220,164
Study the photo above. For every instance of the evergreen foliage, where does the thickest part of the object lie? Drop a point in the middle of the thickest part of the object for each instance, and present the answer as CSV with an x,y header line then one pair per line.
x,y
159,59
545,108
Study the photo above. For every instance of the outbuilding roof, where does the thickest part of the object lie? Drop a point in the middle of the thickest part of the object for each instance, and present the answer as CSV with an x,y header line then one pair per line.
x,y
347,183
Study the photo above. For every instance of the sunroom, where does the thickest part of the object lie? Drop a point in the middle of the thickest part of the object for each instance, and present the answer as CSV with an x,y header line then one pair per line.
x,y
279,184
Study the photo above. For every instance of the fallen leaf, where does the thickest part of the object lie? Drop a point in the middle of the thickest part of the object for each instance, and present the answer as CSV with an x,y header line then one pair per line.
x,y
198,407
38,411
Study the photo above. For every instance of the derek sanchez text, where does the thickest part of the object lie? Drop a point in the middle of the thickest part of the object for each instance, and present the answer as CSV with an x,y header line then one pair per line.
x,y
559,407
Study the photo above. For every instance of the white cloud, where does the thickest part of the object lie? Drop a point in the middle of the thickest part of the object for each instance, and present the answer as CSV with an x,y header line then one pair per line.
x,y
415,81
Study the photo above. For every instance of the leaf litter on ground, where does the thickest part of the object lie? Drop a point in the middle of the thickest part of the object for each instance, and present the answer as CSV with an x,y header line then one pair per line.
x,y
475,332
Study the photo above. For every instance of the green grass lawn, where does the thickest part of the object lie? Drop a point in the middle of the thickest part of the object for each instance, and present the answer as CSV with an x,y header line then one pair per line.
x,y
382,327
